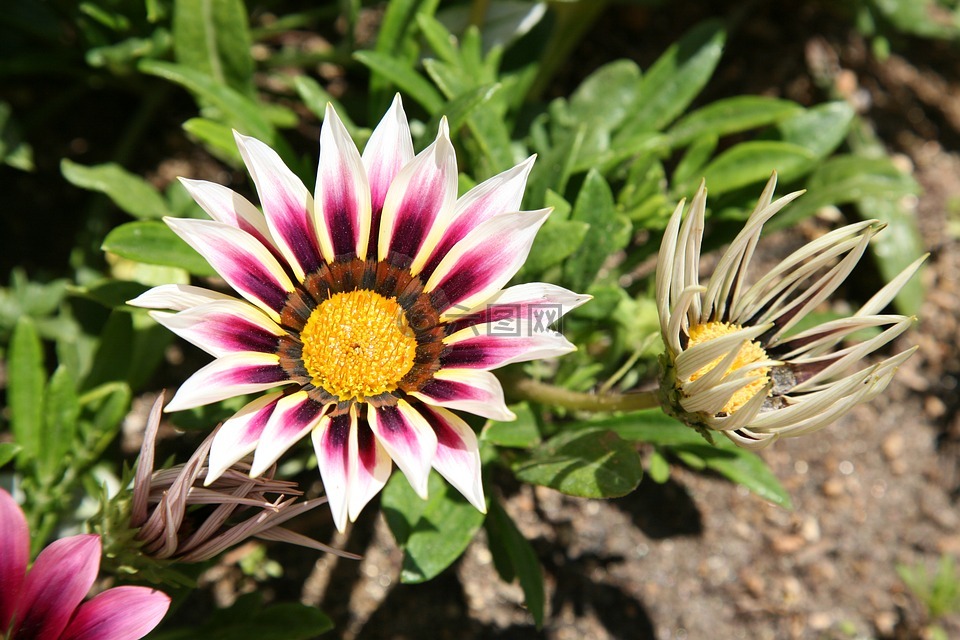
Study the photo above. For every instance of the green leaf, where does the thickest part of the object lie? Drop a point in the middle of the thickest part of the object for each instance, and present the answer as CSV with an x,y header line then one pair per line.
x,y
247,618
730,115
26,379
237,110
315,98
658,468
556,240
676,78
217,137
154,243
14,151
61,408
895,248
110,403
514,557
608,232
607,96
405,77
820,129
753,161
522,433
433,532
592,463
442,42
212,36
650,425
697,155
130,192
740,466
8,451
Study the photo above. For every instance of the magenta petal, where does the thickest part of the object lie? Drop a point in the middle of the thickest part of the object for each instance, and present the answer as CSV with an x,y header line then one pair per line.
x,y
15,542
294,417
56,585
331,442
224,326
121,613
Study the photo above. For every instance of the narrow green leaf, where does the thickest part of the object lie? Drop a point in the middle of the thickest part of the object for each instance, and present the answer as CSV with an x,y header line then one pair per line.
x,y
740,466
753,161
128,191
8,451
61,408
819,129
513,557
109,403
592,463
895,248
238,111
434,533
315,98
691,164
212,36
676,78
658,469
730,115
522,433
217,137
405,77
154,243
608,232
26,380
442,42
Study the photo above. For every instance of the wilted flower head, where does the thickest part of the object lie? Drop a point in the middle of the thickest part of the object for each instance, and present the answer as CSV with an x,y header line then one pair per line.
x,y
370,302
164,505
46,602
731,363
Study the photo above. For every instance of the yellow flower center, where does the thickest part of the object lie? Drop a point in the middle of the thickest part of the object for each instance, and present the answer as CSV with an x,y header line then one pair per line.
x,y
358,344
749,353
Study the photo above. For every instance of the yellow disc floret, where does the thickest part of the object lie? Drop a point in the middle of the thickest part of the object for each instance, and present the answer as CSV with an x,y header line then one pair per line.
x,y
358,345
749,353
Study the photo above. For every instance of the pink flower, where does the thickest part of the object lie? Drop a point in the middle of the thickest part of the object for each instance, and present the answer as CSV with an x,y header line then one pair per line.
x,y
46,603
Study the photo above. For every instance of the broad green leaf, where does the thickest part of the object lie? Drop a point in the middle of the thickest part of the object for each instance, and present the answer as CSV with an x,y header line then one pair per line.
x,y
247,618
522,433
819,129
590,463
658,469
433,533
608,232
514,557
154,243
740,466
213,37
753,161
14,151
554,167
238,110
61,408
555,241
109,403
217,137
26,380
691,164
8,451
111,293
404,76
607,96
128,191
676,78
730,115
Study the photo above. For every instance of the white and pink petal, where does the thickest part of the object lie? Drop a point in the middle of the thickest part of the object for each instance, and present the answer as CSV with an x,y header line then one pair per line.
x,y
293,418
240,259
176,297
471,349
471,390
389,149
229,207
458,454
224,326
239,435
231,375
408,438
15,542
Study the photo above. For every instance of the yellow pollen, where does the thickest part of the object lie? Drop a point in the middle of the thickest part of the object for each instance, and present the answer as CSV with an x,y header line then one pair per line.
x,y
749,353
358,344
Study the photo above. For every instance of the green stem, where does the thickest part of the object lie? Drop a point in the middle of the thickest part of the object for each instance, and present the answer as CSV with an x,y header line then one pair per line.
x,y
543,393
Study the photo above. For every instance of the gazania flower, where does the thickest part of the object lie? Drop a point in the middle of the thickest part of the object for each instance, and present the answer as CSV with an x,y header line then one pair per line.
x,y
373,305
168,527
47,601
732,363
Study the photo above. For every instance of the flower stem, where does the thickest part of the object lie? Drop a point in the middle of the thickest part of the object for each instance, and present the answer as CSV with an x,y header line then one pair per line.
x,y
544,393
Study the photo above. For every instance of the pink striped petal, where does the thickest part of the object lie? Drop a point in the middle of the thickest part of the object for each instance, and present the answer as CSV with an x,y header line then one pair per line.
x,y
295,415
56,585
342,194
287,205
499,194
472,350
121,613
458,454
223,327
422,194
388,150
370,467
231,375
331,442
535,303
480,264
15,542
176,297
229,207
240,259
239,435
470,390
408,438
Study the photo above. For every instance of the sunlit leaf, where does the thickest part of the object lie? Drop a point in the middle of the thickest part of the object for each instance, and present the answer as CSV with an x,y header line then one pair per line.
x,y
128,191
154,243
